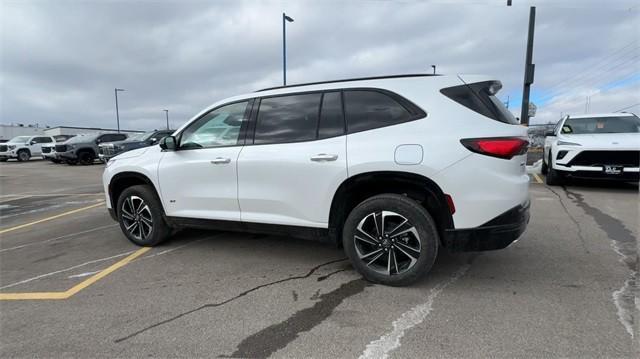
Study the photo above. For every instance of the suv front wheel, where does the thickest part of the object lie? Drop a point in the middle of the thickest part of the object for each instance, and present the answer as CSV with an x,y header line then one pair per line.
x,y
391,239
141,217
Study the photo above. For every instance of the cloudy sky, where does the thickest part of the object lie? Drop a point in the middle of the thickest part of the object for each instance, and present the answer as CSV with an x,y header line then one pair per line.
x,y
60,60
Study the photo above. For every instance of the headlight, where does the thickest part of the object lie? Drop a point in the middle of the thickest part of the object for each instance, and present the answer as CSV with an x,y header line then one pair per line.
x,y
71,147
12,147
565,143
119,147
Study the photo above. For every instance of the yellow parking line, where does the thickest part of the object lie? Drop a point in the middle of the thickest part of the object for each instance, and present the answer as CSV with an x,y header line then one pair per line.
x,y
2,231
78,287
538,179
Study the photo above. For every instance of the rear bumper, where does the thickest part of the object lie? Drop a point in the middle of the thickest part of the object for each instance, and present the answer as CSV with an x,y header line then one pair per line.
x,y
498,233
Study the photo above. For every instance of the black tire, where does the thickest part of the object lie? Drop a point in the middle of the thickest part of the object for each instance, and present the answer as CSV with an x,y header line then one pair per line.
x,y
86,158
4,159
24,155
71,162
544,168
554,177
55,161
424,246
157,232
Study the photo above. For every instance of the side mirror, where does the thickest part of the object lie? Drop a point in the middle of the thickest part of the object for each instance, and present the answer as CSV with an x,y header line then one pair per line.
x,y
168,143
153,140
33,142
549,133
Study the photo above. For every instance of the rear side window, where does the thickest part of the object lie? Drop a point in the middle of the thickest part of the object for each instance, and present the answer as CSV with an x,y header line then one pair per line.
x,y
43,139
480,97
287,119
331,116
368,109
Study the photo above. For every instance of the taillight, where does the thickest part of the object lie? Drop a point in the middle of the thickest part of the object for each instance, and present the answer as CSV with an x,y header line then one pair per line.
x,y
501,147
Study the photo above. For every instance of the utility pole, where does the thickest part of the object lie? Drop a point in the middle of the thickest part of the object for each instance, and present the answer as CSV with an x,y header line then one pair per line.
x,y
285,18
115,91
529,69
434,69
166,112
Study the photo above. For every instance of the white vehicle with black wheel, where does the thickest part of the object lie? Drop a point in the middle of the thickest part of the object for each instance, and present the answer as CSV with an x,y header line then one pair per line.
x,y
392,168
603,147
22,148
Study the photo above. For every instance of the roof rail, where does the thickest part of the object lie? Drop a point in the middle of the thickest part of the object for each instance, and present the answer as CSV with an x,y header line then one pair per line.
x,y
348,80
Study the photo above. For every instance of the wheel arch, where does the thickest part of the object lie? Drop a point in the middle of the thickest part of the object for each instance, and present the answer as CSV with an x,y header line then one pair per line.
x,y
124,180
356,189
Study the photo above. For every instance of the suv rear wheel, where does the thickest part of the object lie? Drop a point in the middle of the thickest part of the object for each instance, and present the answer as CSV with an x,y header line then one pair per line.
x,y
391,239
23,155
141,217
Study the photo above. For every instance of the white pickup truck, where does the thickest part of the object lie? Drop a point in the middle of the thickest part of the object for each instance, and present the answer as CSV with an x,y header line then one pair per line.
x,y
23,148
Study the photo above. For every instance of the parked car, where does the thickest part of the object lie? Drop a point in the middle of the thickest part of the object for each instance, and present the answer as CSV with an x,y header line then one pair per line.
x,y
110,149
23,148
391,168
49,149
83,149
605,146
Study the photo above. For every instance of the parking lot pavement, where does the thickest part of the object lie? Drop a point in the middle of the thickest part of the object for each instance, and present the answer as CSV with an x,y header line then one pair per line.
x,y
72,285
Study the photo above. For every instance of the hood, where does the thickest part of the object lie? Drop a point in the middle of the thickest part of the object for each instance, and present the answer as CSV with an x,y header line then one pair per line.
x,y
131,154
605,140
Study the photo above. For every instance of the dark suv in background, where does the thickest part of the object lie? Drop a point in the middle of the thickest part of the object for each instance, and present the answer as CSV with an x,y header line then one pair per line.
x,y
83,149
107,150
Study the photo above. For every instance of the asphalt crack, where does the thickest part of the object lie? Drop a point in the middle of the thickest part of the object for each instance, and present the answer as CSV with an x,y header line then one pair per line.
x,y
583,242
625,245
214,305
275,337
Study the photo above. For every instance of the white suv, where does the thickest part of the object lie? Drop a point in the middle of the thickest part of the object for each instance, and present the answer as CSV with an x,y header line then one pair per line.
x,y
392,168
605,146
23,148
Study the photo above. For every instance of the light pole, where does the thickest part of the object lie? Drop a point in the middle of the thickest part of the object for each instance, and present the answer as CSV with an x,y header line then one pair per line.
x,y
166,112
285,18
115,91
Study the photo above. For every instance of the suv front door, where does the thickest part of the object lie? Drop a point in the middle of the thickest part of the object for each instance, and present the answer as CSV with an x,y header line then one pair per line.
x,y
290,173
199,179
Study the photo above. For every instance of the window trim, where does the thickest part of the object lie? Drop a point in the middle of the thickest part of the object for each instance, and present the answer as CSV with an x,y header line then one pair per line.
x,y
243,128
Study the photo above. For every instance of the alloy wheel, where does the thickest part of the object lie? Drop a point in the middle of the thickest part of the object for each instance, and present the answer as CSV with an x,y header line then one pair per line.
x,y
387,242
137,218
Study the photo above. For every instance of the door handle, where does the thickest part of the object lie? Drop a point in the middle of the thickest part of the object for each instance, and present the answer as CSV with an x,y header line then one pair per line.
x,y
220,161
323,157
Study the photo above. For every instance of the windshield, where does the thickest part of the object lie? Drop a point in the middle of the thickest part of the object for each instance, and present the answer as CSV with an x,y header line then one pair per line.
x,y
140,136
83,138
591,125
20,139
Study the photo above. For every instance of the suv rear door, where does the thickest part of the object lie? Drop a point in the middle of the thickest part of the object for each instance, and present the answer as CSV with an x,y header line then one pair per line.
x,y
199,178
35,145
296,161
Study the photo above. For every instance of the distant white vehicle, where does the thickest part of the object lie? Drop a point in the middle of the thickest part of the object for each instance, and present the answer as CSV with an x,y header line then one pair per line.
x,y
605,146
23,148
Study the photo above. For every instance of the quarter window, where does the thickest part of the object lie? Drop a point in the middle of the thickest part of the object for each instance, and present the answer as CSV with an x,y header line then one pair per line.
x,y
331,117
287,119
366,110
218,128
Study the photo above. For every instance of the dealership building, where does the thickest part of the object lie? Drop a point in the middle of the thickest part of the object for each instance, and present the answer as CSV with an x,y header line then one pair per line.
x,y
8,132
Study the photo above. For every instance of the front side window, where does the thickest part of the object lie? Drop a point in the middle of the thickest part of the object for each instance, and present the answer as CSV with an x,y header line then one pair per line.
x,y
220,127
366,110
284,119
43,139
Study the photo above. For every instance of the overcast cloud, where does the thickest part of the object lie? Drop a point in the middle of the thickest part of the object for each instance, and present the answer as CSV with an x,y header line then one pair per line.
x,y
62,59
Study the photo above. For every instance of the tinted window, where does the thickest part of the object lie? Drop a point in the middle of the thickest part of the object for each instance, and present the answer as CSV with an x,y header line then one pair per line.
x,y
366,110
220,127
43,139
119,137
287,119
331,118
480,97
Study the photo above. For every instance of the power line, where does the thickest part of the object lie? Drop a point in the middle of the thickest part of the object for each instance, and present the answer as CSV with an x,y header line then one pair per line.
x,y
628,107
597,63
590,76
